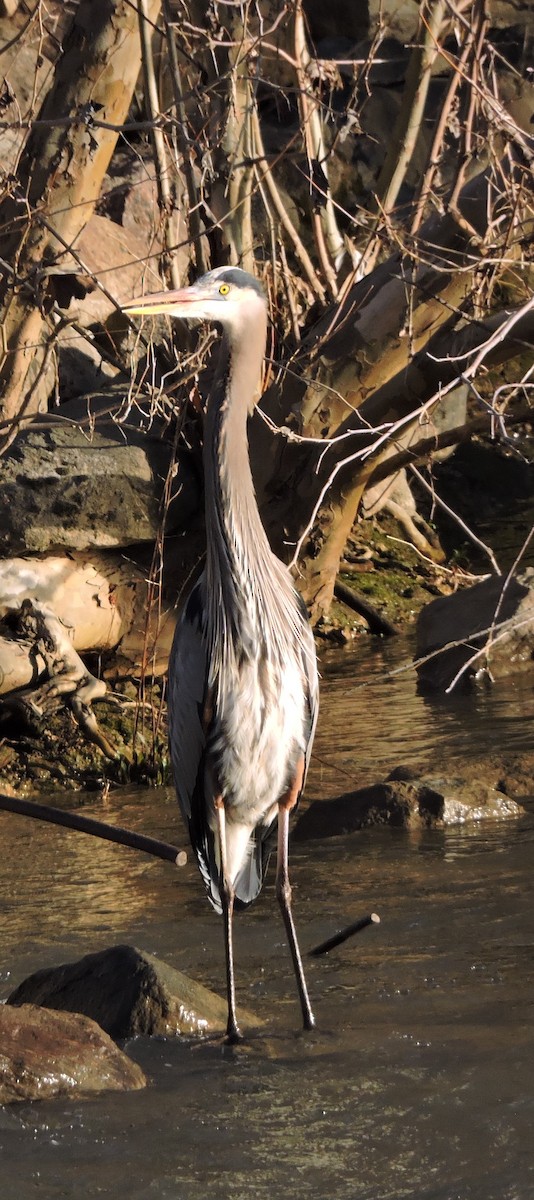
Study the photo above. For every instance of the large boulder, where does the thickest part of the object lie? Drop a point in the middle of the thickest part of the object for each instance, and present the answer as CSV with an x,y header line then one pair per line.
x,y
64,486
401,18
405,801
128,992
494,617
46,1054
119,259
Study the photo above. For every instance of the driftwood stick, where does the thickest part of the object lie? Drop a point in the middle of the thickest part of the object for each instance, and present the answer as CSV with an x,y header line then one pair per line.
x,y
347,932
376,621
109,833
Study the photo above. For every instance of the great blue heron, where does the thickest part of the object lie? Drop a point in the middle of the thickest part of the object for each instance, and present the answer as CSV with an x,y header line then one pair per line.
x,y
243,691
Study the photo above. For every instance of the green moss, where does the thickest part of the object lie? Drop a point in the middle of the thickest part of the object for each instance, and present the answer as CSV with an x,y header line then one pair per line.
x,y
394,578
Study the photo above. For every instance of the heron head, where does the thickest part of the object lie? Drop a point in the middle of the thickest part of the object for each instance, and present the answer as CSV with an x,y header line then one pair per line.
x,y
227,295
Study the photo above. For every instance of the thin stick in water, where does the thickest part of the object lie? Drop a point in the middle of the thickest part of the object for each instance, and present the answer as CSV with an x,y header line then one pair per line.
x,y
109,833
347,932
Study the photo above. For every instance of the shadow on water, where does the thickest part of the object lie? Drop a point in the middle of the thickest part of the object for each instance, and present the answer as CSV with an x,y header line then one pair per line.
x,y
418,1080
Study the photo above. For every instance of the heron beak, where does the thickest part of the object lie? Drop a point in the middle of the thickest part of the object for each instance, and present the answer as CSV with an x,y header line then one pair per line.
x,y
161,302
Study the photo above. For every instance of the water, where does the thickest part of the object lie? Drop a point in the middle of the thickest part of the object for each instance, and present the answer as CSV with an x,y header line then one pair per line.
x,y
373,719
418,1080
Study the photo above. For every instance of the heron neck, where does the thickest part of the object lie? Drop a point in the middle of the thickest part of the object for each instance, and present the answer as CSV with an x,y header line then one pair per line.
x,y
235,534
246,585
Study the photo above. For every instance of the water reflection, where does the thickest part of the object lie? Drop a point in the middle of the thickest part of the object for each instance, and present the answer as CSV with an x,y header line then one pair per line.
x,y
373,718
418,1080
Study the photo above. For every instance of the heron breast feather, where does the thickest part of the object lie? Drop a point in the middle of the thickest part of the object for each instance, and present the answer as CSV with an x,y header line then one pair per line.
x,y
257,738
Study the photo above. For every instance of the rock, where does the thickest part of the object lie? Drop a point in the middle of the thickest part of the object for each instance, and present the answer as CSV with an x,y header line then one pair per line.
x,y
119,259
61,487
465,618
511,772
81,368
131,200
401,16
516,775
399,804
128,992
406,802
326,20
400,19
29,73
476,800
46,1054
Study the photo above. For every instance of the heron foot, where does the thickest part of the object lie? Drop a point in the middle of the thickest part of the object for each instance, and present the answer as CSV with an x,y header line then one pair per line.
x,y
233,1035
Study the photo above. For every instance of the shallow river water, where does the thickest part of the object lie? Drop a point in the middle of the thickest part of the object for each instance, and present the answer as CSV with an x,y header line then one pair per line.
x,y
419,1081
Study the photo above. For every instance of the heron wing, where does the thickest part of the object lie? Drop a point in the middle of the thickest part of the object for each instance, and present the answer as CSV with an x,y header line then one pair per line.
x,y
188,688
263,839
188,684
188,671
311,677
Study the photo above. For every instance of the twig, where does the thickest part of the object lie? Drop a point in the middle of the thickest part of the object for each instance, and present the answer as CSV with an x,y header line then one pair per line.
x,y
468,119
376,622
165,195
281,210
404,137
238,144
99,829
344,934
439,133
328,240
184,144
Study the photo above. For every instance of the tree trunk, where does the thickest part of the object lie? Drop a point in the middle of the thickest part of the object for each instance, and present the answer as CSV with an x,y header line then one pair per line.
x,y
434,368
59,181
357,359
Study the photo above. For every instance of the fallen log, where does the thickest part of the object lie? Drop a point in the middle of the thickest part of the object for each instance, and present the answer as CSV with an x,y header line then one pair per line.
x,y
99,603
53,609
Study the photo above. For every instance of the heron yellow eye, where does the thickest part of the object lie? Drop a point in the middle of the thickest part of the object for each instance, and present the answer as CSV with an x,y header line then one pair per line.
x,y
224,289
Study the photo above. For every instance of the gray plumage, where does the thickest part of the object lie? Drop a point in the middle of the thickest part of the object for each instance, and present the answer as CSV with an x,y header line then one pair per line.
x,y
243,691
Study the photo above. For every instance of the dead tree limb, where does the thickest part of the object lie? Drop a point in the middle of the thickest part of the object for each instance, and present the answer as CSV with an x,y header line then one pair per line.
x,y
408,128
59,180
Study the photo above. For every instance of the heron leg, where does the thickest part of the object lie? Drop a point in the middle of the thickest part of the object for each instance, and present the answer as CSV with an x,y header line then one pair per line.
x,y
283,892
233,1033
